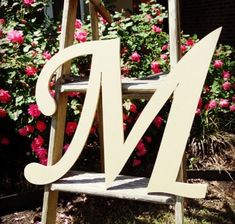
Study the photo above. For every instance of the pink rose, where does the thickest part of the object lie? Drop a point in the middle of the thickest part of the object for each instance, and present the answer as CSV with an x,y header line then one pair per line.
x,y
183,48
135,57
198,111
80,36
136,162
218,64
200,103
40,153
226,86
165,47
148,139
41,126
34,111
30,70
155,67
158,121
190,42
29,128
164,56
224,103
28,2
78,24
232,108
226,75
23,131
3,113
43,161
5,141
233,99
70,127
46,55
133,108
141,149
156,29
37,143
5,97
2,21
15,36
211,105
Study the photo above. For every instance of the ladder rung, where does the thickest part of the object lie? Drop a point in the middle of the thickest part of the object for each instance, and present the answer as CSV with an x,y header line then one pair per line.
x,y
128,86
124,187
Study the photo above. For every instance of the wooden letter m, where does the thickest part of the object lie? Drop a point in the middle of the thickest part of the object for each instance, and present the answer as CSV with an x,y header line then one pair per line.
x,y
185,81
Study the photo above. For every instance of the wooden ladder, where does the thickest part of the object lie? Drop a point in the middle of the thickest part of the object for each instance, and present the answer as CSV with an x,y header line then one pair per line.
x,y
72,182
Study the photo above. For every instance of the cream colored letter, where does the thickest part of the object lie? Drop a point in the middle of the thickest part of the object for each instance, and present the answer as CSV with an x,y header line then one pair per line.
x,y
186,81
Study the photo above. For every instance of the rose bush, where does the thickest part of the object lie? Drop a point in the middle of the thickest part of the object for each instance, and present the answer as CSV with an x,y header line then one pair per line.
x,y
29,39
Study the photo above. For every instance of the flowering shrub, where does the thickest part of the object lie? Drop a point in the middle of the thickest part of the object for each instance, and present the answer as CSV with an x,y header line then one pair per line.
x,y
29,39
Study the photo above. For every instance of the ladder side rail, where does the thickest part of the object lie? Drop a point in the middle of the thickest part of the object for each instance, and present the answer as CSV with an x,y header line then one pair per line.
x,y
58,120
175,55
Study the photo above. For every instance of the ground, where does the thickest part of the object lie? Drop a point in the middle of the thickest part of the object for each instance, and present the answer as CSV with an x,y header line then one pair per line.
x,y
217,208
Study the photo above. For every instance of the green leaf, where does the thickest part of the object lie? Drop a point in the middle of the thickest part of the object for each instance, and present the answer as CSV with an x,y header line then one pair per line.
x,y
26,48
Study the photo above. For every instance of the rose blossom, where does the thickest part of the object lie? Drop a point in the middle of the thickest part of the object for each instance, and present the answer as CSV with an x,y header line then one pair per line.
x,y
135,57
28,2
80,36
155,67
46,55
40,153
223,103
218,64
232,108
37,143
43,161
2,21
41,126
23,131
70,127
233,99
136,162
211,105
133,108
30,70
226,75
200,103
148,139
158,121
156,29
29,128
164,56
3,113
33,110
226,86
190,42
164,47
5,97
183,48
78,24
15,36
5,141
141,149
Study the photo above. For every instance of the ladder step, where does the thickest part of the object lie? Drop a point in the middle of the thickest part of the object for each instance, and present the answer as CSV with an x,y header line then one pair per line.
x,y
124,187
128,86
